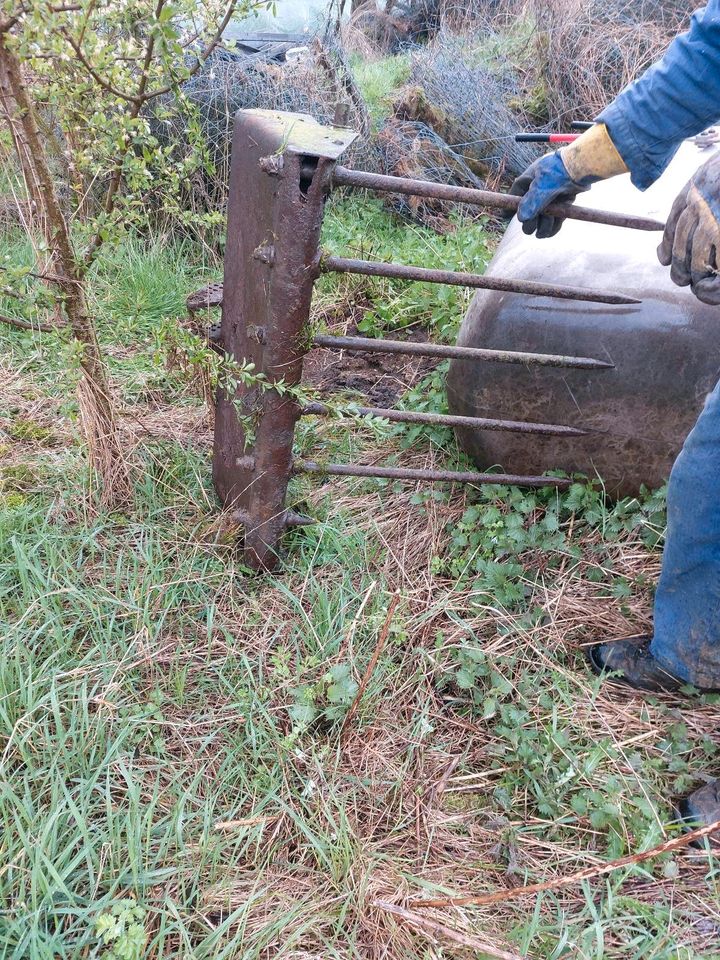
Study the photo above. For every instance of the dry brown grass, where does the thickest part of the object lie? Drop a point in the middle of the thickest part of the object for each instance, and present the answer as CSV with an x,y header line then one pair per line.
x,y
310,854
419,807
408,796
590,51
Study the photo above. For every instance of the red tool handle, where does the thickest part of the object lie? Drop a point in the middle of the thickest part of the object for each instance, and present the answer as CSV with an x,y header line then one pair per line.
x,y
546,137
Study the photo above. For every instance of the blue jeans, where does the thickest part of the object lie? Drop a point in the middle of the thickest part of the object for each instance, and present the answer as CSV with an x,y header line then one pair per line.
x,y
687,604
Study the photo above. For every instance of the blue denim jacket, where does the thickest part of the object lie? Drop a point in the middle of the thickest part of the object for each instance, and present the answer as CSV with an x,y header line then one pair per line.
x,y
676,98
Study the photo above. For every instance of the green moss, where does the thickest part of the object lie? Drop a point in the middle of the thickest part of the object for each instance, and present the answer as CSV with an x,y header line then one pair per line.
x,y
17,476
379,81
534,103
12,501
29,431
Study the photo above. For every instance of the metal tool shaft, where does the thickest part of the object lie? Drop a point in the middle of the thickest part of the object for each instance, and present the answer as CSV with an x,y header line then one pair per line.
x,y
448,420
440,476
398,271
369,345
546,137
343,177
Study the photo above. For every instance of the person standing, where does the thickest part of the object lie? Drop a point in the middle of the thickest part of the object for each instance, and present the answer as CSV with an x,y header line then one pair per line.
x,y
639,133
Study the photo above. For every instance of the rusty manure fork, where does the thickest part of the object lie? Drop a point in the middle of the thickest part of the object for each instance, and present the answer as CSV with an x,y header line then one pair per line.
x,y
284,166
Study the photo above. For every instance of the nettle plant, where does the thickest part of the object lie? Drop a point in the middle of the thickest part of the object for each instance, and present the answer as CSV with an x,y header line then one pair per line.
x,y
510,538
84,89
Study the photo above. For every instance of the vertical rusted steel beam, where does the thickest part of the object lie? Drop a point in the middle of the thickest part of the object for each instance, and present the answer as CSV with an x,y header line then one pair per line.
x,y
280,176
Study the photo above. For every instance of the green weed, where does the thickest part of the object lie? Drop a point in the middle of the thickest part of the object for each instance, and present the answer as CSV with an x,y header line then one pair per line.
x,y
362,228
379,82
122,931
510,537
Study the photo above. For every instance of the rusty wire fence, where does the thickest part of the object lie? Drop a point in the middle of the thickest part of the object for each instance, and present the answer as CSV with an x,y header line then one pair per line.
x,y
284,167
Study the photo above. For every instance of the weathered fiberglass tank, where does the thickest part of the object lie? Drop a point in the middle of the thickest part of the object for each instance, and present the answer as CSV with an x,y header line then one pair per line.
x,y
666,350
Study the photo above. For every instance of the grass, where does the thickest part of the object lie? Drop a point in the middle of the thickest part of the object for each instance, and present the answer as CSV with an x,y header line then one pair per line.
x,y
361,227
379,80
176,776
175,779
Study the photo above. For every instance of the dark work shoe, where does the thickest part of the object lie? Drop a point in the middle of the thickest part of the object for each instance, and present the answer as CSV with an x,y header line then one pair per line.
x,y
701,809
637,667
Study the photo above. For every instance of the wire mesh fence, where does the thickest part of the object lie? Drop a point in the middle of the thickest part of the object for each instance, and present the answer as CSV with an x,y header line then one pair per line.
x,y
472,104
312,82
411,142
467,96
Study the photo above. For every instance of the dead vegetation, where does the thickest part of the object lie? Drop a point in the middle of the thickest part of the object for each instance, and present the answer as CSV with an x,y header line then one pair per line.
x,y
289,766
478,74
591,50
409,798
314,823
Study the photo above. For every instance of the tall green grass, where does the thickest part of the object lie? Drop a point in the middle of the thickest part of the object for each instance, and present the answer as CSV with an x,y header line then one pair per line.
x,y
364,228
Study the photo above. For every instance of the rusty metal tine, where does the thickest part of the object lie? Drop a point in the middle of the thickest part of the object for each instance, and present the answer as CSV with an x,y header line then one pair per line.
x,y
343,177
369,345
448,420
441,476
398,271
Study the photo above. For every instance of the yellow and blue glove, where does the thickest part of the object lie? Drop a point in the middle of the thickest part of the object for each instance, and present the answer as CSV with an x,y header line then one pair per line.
x,y
691,242
559,177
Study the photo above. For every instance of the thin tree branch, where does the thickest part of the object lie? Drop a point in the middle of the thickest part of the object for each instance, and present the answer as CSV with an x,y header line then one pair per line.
x,y
49,277
202,57
117,175
101,82
86,19
97,413
9,22
433,929
140,98
588,873
370,667
28,325
149,51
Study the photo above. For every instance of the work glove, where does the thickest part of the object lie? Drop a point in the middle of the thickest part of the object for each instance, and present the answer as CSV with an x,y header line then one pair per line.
x,y
691,241
559,177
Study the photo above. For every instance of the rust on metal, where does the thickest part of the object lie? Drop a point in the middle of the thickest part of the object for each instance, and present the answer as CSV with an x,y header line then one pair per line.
x,y
483,198
209,296
282,171
368,345
398,271
447,420
434,476
280,177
